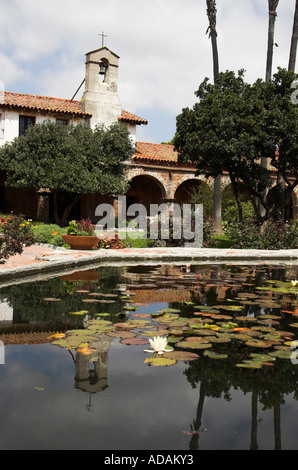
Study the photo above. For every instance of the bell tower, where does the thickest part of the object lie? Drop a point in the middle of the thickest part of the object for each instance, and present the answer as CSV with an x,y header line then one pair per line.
x,y
100,97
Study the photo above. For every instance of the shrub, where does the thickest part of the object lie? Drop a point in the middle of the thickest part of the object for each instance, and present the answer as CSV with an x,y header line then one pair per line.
x,y
48,233
230,213
15,233
271,236
80,228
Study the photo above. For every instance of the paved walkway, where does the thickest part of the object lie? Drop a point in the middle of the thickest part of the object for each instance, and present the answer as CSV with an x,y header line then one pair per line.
x,y
42,260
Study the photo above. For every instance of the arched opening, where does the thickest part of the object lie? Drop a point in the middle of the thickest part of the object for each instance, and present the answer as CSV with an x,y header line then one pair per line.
x,y
274,194
230,211
145,190
194,191
104,70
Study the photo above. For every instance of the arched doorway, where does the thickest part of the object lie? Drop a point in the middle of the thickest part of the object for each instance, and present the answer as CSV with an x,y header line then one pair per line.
x,y
145,190
274,194
194,191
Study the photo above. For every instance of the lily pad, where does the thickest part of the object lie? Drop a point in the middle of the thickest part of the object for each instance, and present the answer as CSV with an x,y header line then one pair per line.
x,y
51,299
175,339
134,341
176,332
256,343
250,365
214,355
181,355
130,308
246,318
124,325
282,354
268,322
122,334
157,314
170,310
80,312
219,339
159,361
262,357
72,342
154,333
200,343
233,308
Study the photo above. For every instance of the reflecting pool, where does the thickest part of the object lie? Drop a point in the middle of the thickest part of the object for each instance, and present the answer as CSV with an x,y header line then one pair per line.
x,y
76,372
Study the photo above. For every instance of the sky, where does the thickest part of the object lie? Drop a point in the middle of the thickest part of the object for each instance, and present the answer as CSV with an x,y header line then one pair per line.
x,y
164,50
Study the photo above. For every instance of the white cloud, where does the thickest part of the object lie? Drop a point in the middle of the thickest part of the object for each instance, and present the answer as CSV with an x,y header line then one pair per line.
x,y
163,47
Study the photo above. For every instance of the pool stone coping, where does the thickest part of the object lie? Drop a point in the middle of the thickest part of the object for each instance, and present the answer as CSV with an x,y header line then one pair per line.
x,y
49,261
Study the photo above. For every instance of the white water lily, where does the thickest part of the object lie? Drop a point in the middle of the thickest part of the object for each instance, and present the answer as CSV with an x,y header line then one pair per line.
x,y
159,345
294,283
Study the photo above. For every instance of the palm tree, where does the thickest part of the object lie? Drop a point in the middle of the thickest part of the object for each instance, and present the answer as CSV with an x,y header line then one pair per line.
x,y
272,5
293,50
211,13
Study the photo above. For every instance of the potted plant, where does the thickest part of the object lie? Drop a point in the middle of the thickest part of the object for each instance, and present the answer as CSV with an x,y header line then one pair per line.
x,y
80,235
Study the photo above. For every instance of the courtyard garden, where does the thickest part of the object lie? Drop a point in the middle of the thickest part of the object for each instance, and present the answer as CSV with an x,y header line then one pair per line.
x,y
17,231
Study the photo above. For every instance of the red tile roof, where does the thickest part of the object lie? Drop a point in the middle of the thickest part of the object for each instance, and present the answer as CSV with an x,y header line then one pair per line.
x,y
155,152
129,117
42,103
56,105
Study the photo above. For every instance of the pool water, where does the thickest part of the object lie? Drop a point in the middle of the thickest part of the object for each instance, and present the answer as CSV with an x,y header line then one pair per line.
x,y
108,395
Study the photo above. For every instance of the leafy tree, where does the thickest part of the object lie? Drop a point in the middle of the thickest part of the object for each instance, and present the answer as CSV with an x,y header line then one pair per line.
x,y
235,123
73,159
278,131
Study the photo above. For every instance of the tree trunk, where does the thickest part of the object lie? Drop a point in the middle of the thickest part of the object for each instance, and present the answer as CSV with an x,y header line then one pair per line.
x,y
293,49
211,13
61,221
272,16
236,195
217,219
56,215
213,36
68,209
272,5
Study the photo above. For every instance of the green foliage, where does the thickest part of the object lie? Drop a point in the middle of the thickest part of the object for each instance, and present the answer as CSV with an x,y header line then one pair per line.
x,y
272,236
73,159
15,233
233,123
230,212
80,228
203,194
48,233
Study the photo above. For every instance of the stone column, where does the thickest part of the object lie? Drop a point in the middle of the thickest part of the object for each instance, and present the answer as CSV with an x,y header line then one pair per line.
x,y
43,205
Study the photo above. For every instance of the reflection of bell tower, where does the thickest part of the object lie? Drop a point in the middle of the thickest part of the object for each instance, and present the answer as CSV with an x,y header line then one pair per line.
x,y
100,97
96,379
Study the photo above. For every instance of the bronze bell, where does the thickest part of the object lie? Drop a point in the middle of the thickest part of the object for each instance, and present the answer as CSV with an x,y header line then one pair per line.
x,y
102,69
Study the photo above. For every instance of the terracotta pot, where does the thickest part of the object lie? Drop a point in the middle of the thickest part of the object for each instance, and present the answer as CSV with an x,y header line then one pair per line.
x,y
89,275
78,242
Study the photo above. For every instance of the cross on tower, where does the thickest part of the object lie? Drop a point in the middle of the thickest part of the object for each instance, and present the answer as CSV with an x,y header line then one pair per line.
x,y
103,35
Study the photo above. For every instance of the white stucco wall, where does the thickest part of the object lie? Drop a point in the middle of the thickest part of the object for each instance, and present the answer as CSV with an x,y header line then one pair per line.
x,y
9,125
